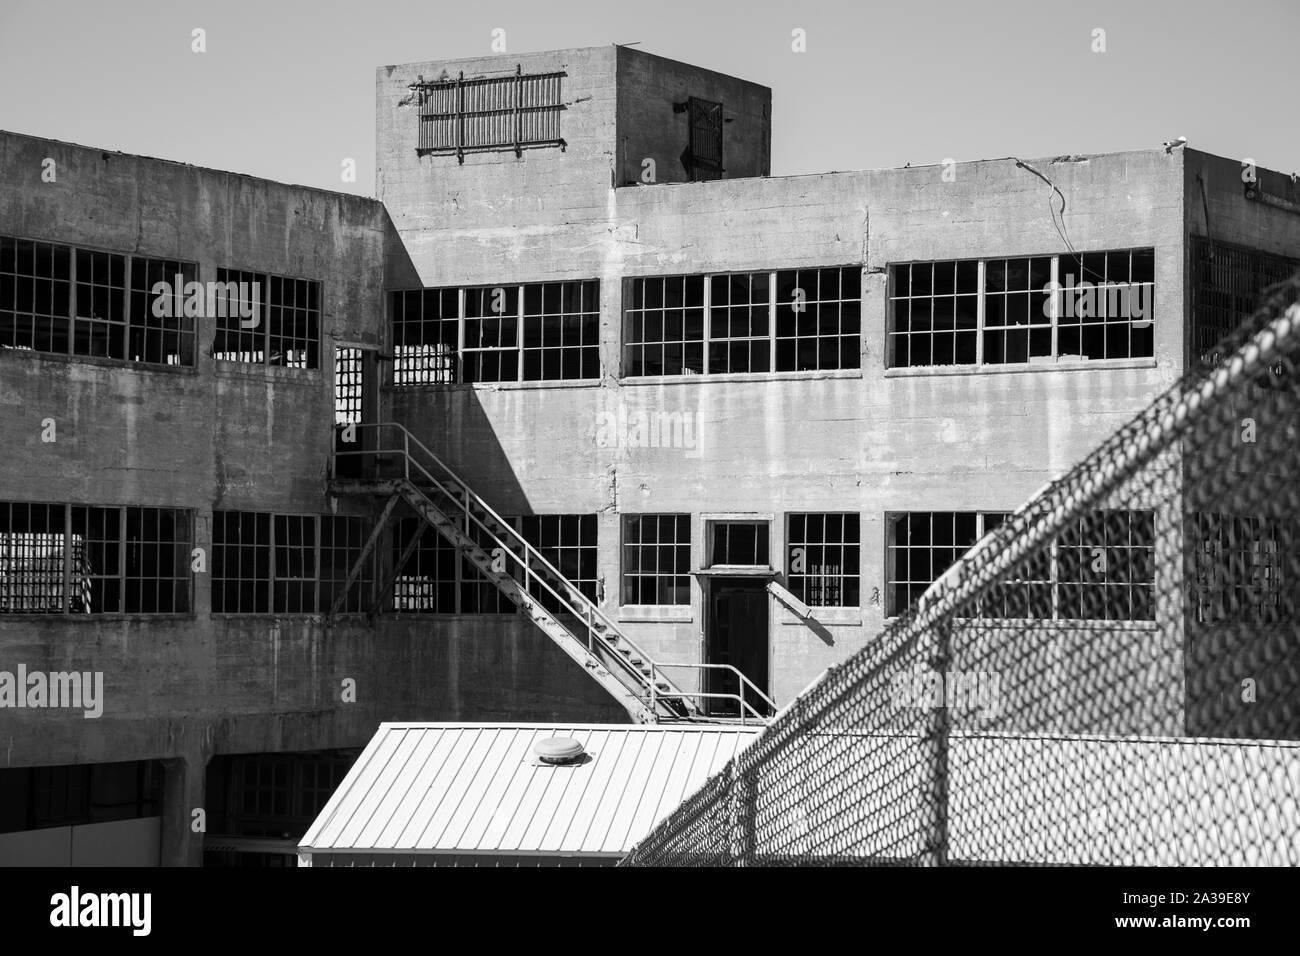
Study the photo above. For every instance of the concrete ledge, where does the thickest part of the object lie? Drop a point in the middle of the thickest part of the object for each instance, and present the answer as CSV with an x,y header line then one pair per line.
x,y
1095,365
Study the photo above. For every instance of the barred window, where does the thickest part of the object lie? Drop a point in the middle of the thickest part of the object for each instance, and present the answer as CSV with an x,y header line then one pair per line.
x,y
1100,567
783,321
287,564
1228,284
657,559
705,138
544,331
1240,566
266,320
1093,305
458,116
823,559
114,560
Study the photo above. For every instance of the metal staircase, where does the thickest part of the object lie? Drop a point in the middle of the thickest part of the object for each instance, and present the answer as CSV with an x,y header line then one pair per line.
x,y
399,467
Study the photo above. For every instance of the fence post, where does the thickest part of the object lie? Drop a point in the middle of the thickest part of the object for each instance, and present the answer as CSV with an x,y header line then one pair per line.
x,y
936,739
741,804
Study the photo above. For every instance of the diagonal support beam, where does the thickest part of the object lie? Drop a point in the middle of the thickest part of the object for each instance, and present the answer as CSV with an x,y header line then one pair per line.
x,y
391,577
365,554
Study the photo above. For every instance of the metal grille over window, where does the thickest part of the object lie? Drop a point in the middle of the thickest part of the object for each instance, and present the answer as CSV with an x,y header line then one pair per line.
x,y
706,138
347,386
1104,676
1227,285
492,113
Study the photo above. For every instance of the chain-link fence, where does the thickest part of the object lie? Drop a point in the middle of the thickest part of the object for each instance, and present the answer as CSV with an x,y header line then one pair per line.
x,y
1110,675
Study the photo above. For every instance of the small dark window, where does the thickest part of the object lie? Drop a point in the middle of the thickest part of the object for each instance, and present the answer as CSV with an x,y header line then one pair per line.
x,y
740,543
706,139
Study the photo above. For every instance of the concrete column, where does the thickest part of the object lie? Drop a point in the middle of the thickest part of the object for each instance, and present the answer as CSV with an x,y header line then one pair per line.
x,y
183,793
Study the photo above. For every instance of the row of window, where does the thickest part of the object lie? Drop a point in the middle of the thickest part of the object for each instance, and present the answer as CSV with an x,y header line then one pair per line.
x,y
518,333
1097,305
57,558
1093,305
82,559
59,299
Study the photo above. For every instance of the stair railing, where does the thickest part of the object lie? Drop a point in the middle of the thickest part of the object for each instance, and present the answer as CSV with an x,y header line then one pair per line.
x,y
589,609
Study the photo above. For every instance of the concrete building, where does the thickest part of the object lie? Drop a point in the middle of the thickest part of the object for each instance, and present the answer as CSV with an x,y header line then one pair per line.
x,y
742,419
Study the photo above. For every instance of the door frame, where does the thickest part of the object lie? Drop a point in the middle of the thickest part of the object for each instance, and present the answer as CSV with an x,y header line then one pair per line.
x,y
709,582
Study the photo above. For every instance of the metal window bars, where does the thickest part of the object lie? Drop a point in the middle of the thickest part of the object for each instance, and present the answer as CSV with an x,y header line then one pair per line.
x,y
490,113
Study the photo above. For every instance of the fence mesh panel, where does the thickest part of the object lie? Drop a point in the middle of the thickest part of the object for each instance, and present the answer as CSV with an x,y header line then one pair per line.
x,y
1111,675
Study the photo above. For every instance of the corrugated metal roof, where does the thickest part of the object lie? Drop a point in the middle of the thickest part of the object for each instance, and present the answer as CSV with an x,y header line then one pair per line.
x,y
479,788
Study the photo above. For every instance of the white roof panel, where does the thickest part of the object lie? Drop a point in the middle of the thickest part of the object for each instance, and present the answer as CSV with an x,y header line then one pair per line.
x,y
479,788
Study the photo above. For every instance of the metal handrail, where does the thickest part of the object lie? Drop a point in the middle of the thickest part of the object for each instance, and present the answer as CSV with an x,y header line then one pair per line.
x,y
530,554
530,572
744,681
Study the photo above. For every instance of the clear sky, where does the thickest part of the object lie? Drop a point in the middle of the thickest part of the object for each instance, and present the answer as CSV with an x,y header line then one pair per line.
x,y
286,87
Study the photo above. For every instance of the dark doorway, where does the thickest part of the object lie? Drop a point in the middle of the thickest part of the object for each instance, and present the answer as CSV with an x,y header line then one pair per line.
x,y
735,633
354,405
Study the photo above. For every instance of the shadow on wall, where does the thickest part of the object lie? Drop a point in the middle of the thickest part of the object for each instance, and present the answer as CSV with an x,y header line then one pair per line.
x,y
449,420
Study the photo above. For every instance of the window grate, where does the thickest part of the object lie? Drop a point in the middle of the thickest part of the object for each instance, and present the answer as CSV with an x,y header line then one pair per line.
x,y
1228,284
705,138
510,112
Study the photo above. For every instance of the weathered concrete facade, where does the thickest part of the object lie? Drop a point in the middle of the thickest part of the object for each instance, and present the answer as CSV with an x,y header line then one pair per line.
x,y
870,440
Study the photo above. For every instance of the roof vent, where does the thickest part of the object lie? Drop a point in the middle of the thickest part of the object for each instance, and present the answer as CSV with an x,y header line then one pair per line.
x,y
558,750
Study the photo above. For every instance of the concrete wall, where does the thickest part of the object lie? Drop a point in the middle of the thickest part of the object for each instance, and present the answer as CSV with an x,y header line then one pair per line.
x,y
872,441
1220,657
649,128
498,207
223,435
